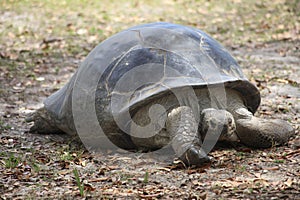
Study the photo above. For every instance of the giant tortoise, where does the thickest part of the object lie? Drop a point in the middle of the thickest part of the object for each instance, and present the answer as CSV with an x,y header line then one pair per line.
x,y
156,85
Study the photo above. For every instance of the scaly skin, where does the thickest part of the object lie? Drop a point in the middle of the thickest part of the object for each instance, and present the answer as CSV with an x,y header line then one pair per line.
x,y
235,123
257,132
186,142
43,122
186,129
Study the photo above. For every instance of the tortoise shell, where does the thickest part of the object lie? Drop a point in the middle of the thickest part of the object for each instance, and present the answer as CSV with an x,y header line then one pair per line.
x,y
134,66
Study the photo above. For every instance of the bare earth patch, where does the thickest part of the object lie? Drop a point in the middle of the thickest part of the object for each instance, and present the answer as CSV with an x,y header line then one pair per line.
x,y
41,47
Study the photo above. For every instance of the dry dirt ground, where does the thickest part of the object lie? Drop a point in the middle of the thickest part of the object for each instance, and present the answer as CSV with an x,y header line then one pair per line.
x,y
42,43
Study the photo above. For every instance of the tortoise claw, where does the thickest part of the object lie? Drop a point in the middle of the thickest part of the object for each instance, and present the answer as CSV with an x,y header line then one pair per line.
x,y
194,156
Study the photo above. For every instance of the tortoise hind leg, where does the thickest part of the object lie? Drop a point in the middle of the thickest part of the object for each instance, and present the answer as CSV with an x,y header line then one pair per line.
x,y
183,128
43,123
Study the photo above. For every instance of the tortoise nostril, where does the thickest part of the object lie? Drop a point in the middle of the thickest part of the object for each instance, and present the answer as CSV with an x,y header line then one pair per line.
x,y
212,124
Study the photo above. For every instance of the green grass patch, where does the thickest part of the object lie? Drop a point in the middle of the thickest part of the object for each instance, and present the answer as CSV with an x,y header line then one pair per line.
x,y
279,161
11,161
3,125
78,182
146,177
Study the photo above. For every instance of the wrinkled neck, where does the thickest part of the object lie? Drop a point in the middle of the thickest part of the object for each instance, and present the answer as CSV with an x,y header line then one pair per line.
x,y
236,106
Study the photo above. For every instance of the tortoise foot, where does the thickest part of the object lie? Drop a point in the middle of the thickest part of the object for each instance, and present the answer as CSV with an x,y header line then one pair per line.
x,y
263,133
195,156
43,123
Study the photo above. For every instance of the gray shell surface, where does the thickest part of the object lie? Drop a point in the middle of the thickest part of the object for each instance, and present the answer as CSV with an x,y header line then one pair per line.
x,y
137,65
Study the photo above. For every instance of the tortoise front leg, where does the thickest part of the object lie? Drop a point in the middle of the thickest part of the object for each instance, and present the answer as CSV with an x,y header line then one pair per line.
x,y
261,133
183,129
